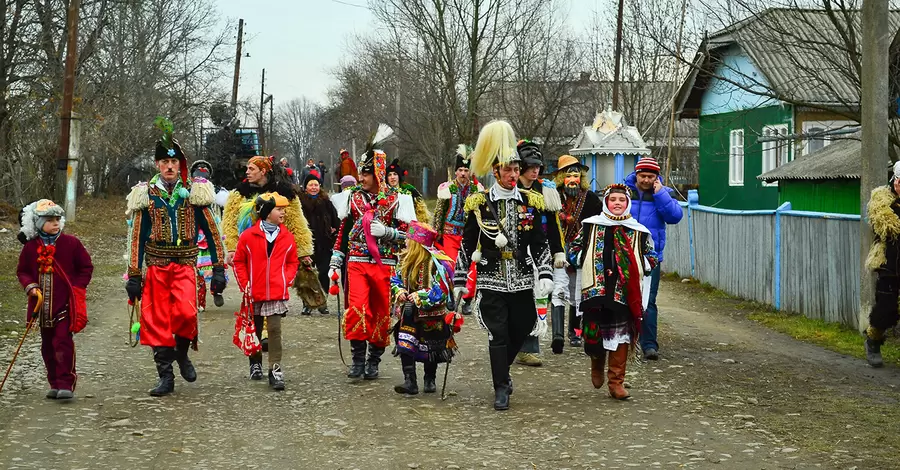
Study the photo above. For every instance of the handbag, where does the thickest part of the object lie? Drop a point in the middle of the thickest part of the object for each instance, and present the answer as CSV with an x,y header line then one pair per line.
x,y
244,328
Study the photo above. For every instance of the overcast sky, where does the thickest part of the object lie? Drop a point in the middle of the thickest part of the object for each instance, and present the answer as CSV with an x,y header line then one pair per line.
x,y
299,42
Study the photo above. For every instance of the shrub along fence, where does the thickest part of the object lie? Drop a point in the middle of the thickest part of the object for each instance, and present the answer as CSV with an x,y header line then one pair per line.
x,y
804,262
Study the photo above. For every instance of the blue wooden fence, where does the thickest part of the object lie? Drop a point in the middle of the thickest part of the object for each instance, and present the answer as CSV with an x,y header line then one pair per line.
x,y
803,262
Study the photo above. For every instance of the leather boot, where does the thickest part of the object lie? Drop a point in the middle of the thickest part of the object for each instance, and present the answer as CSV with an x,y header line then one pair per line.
x,y
358,350
164,356
574,339
558,325
430,377
182,345
616,374
372,362
500,376
597,366
409,387
873,352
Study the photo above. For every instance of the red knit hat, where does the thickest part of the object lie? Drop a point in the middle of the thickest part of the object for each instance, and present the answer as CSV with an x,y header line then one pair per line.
x,y
647,164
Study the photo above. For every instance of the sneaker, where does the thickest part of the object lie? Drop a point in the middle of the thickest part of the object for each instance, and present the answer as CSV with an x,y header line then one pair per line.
x,y
528,359
276,378
52,393
651,354
256,372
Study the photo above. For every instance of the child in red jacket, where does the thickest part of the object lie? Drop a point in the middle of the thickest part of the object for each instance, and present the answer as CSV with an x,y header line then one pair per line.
x,y
265,264
55,270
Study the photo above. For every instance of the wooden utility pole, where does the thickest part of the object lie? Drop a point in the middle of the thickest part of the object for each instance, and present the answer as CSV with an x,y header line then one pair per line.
x,y
262,111
617,73
676,75
67,160
237,67
875,41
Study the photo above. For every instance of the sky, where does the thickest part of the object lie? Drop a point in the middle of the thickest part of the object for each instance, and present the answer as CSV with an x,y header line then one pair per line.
x,y
299,42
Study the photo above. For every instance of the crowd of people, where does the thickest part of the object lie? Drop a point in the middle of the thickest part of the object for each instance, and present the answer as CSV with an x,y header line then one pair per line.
x,y
533,245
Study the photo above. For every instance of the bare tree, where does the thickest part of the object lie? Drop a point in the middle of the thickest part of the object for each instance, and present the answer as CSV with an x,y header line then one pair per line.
x,y
297,124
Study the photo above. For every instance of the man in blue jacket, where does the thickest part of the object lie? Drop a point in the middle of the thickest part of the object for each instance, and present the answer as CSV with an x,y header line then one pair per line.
x,y
654,206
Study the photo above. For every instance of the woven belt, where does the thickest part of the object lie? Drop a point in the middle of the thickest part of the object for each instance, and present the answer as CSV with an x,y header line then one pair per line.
x,y
189,251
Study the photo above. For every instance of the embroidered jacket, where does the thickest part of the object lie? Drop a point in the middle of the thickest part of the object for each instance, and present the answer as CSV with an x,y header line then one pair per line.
x,y
164,228
510,268
575,210
590,242
430,299
449,213
394,210
550,216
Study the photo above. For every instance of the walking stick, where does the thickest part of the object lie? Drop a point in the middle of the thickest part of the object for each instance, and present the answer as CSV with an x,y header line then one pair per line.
x,y
134,334
37,308
454,303
335,290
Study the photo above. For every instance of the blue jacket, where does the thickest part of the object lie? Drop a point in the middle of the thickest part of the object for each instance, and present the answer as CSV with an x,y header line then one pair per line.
x,y
654,211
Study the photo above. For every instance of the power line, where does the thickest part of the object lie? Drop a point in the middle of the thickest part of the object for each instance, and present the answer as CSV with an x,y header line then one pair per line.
x,y
350,4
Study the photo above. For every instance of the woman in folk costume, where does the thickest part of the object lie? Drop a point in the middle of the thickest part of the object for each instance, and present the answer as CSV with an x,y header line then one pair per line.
x,y
615,254
371,237
503,237
324,223
395,175
421,287
55,270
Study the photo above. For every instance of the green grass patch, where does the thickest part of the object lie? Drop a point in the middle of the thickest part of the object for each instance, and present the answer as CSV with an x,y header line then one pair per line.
x,y
832,336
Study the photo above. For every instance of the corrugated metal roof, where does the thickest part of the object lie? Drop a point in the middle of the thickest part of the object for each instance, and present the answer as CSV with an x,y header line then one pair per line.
x,y
840,160
803,53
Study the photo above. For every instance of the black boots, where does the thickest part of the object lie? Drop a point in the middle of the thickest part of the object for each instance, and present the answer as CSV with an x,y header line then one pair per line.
x,y
873,352
430,377
500,375
409,387
574,340
358,351
372,363
182,345
558,325
164,357
256,372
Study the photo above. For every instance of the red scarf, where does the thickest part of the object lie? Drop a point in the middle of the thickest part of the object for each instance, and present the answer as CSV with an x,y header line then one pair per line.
x,y
633,297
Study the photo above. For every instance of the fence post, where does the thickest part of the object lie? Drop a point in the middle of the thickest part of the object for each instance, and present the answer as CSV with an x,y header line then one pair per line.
x,y
693,200
776,289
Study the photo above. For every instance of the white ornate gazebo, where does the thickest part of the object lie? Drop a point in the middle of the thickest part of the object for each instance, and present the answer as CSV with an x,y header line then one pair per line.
x,y
610,148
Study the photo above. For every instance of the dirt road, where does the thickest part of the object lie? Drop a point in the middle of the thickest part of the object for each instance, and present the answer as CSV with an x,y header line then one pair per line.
x,y
726,394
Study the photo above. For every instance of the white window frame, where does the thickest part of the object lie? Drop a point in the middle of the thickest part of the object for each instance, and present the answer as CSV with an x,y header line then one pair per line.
x,y
736,157
828,126
770,149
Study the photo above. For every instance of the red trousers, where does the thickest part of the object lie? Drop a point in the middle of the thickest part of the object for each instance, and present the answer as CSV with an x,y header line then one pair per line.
x,y
450,246
169,304
368,315
58,351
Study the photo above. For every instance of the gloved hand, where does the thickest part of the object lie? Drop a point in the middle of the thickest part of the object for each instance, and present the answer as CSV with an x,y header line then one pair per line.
x,y
133,287
544,288
217,283
559,260
377,229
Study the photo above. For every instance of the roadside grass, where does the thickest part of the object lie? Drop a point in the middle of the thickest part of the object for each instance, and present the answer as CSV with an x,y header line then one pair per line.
x,y
832,336
100,225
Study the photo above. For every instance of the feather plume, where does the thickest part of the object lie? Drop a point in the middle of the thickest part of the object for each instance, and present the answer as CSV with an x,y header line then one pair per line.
x,y
381,134
496,145
167,129
463,151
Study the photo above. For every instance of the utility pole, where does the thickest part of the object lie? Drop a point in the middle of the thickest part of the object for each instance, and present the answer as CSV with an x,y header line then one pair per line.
x,y
237,67
875,41
262,110
675,84
67,157
615,91
271,100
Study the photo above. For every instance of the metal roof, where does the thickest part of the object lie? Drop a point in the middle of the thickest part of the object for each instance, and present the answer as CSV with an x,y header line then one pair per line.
x,y
840,160
609,134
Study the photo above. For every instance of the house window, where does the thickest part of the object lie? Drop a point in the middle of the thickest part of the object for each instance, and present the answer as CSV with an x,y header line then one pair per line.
x,y
775,152
736,158
818,142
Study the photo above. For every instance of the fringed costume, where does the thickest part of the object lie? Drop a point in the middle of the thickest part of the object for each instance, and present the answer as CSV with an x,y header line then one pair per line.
x,y
884,259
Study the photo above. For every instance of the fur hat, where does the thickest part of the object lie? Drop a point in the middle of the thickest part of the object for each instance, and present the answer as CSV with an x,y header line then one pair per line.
x,y
34,216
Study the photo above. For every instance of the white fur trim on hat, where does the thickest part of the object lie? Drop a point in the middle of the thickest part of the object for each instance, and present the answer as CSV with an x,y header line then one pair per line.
x,y
32,213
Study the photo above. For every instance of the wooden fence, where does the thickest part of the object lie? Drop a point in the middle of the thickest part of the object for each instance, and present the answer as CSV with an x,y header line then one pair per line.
x,y
803,262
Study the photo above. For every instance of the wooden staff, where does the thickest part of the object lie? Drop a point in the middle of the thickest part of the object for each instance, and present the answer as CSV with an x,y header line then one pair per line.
x,y
37,308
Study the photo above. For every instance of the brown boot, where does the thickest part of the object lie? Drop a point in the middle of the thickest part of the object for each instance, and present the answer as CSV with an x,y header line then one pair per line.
x,y
597,365
616,373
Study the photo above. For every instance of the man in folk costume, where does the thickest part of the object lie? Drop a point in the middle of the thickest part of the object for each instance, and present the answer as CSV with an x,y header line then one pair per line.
x,y
449,216
201,172
616,254
529,180
502,236
884,258
264,176
373,232
579,203
395,176
166,217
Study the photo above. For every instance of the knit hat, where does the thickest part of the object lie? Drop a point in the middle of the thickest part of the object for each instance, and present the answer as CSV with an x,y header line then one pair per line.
x,y
395,167
313,175
268,201
34,216
647,164
347,181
